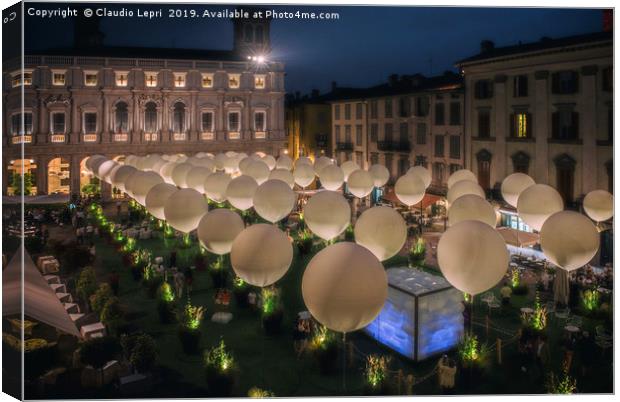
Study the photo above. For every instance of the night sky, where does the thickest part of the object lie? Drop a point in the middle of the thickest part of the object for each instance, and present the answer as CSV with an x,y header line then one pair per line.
x,y
361,48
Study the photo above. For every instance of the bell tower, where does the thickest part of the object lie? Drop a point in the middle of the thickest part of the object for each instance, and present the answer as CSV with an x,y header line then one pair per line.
x,y
252,35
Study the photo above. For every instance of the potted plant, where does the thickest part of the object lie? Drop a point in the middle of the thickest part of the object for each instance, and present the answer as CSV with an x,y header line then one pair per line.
x,y
375,374
518,288
220,369
324,347
561,385
140,350
417,253
472,356
100,297
535,322
271,310
256,392
111,314
151,279
241,290
349,234
304,242
165,304
189,330
219,273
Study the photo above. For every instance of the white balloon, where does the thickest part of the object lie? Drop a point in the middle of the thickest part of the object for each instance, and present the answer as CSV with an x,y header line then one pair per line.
x,y
220,161
344,287
380,175
349,167
381,230
218,229
156,198
184,209
303,160
513,185
215,186
196,178
320,163
284,162
231,165
472,256
303,174
274,200
569,240
537,203
270,161
131,180
284,175
258,170
460,175
166,172
409,189
462,188
121,175
105,168
240,192
108,177
424,174
327,214
142,187
331,177
244,163
471,207
179,174
261,254
598,204
360,183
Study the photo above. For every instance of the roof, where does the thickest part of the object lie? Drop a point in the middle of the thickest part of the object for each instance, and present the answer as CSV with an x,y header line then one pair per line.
x,y
416,282
541,45
143,52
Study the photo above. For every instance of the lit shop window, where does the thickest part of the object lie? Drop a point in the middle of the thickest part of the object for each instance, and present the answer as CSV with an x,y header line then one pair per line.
x,y
121,78
207,80
234,80
179,80
58,77
150,79
259,81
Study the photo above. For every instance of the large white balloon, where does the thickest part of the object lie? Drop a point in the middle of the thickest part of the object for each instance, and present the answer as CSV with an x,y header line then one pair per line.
x,y
409,189
108,177
284,175
462,188
381,230
320,163
240,192
184,209
274,200
218,229
303,160
284,162
472,256
349,167
166,172
131,180
105,168
513,185
215,186
179,174
460,175
261,254
331,177
244,163
142,187
156,198
598,204
344,287
380,175
220,161
569,240
258,170
196,178
121,175
231,165
360,183
471,207
270,161
303,174
424,174
537,203
327,214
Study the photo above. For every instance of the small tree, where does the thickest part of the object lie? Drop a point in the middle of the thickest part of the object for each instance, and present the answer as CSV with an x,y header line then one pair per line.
x,y
97,352
16,183
417,252
140,350
100,297
561,385
111,313
376,371
86,283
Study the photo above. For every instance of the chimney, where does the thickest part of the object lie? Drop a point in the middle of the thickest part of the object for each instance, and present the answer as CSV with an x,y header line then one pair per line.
x,y
393,79
486,46
315,93
334,85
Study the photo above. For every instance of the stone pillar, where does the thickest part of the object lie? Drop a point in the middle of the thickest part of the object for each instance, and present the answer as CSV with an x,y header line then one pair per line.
x,y
105,118
42,123
498,168
135,125
165,132
74,126
41,178
106,191
588,131
539,170
74,174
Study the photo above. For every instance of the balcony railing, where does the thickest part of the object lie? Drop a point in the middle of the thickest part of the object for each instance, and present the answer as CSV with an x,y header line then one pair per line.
x,y
234,135
207,136
121,137
56,138
344,146
260,135
21,139
402,146
150,137
90,138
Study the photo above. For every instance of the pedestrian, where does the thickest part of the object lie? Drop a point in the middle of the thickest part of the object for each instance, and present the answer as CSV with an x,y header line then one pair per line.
x,y
179,281
505,292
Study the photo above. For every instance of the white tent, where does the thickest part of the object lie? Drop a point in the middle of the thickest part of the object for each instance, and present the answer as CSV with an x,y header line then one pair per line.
x,y
40,301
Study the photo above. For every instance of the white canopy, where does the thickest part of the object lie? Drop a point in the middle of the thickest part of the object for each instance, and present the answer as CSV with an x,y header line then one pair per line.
x,y
40,301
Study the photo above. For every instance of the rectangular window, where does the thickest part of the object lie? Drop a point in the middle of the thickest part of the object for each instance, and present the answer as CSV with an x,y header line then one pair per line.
x,y
374,158
234,121
422,106
374,109
439,146
388,132
347,134
439,114
260,121
58,77
484,123
565,124
150,119
374,132
336,112
347,111
150,79
90,123
24,78
455,113
358,135
519,84
455,147
207,122
564,82
259,81
421,133
90,78
521,125
234,81
358,111
58,123
483,89
207,80
121,78
388,108
16,122
179,80
403,106
338,139
404,133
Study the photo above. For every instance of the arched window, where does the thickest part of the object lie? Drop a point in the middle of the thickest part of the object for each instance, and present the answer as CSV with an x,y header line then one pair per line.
x,y
521,162
150,117
179,118
484,169
122,118
258,34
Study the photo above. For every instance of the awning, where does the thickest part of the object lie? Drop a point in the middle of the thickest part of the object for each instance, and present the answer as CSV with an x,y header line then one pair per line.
x,y
40,301
518,238
427,201
36,199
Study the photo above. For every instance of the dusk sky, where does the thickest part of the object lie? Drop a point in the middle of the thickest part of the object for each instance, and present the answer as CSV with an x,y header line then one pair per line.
x,y
361,48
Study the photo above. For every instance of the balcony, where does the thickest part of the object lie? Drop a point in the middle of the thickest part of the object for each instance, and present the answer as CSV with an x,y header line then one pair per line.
x,y
21,139
179,136
91,138
394,146
57,138
234,135
344,146
121,137
207,136
260,135
150,137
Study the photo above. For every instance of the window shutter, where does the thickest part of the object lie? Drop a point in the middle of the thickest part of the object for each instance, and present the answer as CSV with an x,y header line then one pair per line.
x,y
555,125
528,126
575,126
575,81
512,125
555,83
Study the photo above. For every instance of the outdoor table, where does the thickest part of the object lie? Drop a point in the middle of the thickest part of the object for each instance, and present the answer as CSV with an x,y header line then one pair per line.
x,y
571,329
604,290
527,310
91,330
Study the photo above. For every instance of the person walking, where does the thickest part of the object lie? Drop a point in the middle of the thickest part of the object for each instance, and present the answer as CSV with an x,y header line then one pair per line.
x,y
179,281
